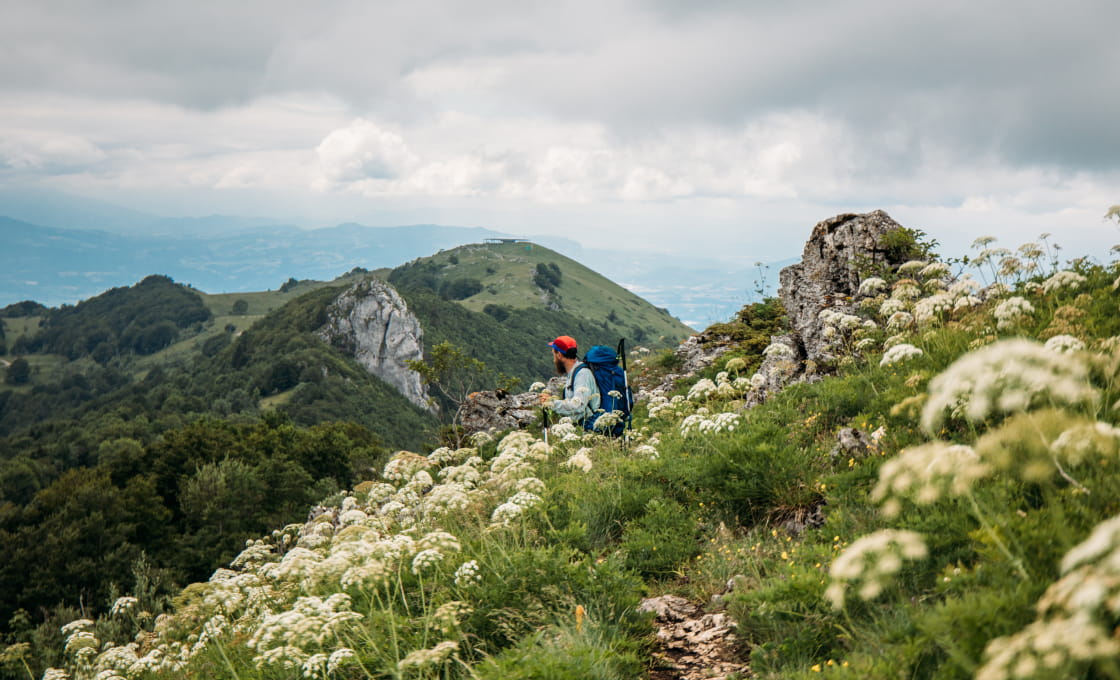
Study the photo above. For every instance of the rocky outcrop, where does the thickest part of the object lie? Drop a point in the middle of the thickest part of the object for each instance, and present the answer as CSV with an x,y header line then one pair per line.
x,y
371,322
498,410
828,275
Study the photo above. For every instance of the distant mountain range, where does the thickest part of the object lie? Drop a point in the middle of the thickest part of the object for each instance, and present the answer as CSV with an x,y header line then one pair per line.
x,y
62,249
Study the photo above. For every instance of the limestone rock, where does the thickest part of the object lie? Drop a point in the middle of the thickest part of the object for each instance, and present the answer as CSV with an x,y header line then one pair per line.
x,y
851,443
828,275
692,645
498,410
371,322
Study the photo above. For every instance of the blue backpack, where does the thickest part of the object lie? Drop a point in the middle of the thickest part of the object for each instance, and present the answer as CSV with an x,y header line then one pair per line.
x,y
609,377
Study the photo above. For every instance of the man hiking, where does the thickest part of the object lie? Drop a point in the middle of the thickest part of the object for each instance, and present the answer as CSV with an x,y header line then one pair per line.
x,y
581,394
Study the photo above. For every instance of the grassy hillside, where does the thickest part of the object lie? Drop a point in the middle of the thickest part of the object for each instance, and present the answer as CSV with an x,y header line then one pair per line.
x,y
500,279
972,533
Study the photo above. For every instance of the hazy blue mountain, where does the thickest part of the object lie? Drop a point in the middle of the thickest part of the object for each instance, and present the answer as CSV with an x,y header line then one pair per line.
x,y
60,249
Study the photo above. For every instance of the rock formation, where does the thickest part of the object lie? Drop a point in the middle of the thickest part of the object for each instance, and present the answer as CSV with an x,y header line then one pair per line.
x,y
828,275
371,322
498,410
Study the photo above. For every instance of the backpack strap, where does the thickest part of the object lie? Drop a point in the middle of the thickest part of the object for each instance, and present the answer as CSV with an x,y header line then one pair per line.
x,y
572,380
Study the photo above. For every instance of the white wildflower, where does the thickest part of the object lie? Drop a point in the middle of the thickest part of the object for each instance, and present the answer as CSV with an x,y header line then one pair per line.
x,y
123,605
966,302
926,473
891,306
873,560
701,390
537,387
423,658
911,266
934,270
580,459
1006,377
1061,344
778,350
1049,648
872,286
1061,280
900,321
899,353
481,439
964,286
1011,312
933,307
468,574
425,560
647,451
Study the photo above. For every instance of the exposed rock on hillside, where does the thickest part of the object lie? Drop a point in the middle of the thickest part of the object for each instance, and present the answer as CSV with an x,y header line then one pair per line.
x,y
828,275
372,323
497,410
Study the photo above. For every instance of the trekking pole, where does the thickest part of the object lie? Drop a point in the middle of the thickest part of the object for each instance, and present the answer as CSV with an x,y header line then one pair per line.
x,y
626,392
544,419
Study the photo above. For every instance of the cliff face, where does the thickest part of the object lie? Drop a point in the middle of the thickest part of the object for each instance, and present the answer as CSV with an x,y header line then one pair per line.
x,y
828,275
371,322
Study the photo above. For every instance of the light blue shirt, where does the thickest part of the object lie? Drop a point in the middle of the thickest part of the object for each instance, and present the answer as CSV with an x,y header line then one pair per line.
x,y
581,399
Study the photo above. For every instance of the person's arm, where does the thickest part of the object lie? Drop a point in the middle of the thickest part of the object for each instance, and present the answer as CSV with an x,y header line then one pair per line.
x,y
583,394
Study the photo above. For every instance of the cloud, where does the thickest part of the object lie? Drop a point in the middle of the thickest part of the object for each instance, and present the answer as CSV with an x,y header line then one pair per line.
x,y
37,152
363,151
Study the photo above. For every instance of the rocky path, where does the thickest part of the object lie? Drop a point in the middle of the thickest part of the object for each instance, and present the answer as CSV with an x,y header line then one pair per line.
x,y
693,645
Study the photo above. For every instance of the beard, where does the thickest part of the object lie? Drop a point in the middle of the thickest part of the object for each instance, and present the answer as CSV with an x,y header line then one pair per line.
x,y
561,369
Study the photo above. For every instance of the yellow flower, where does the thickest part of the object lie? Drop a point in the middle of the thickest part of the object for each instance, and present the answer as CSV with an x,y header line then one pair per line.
x,y
816,668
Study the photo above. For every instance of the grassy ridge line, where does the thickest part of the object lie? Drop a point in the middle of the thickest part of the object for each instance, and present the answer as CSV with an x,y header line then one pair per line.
x,y
506,273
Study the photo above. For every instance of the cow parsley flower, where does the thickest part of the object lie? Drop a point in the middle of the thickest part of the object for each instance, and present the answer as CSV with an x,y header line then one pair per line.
x,y
1011,312
425,560
899,353
933,307
934,270
123,605
873,560
891,306
911,266
906,289
468,574
1062,344
900,321
778,350
1049,648
580,459
1006,377
701,390
926,473
1061,280
423,658
872,286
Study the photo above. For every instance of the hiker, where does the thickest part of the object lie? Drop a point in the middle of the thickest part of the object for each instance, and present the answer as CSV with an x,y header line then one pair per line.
x,y
581,394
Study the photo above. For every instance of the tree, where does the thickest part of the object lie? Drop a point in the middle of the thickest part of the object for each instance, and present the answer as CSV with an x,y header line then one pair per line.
x,y
240,307
19,372
452,373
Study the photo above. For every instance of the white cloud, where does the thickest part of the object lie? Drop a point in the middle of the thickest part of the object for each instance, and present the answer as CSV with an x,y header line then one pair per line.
x,y
40,151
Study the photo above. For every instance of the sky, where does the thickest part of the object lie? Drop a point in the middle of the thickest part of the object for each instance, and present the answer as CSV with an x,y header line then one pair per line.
x,y
704,127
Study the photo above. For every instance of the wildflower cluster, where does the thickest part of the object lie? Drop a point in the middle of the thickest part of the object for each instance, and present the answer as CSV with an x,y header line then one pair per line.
x,y
899,353
1006,377
926,473
872,561
700,423
1075,616
288,598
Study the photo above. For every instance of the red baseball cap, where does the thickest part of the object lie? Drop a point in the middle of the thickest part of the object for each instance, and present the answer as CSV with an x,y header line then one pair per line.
x,y
563,344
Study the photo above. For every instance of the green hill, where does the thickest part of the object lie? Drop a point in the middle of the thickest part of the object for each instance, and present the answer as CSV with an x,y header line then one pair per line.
x,y
502,279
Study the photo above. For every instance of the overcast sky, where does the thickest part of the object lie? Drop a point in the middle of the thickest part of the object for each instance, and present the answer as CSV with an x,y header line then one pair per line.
x,y
727,127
